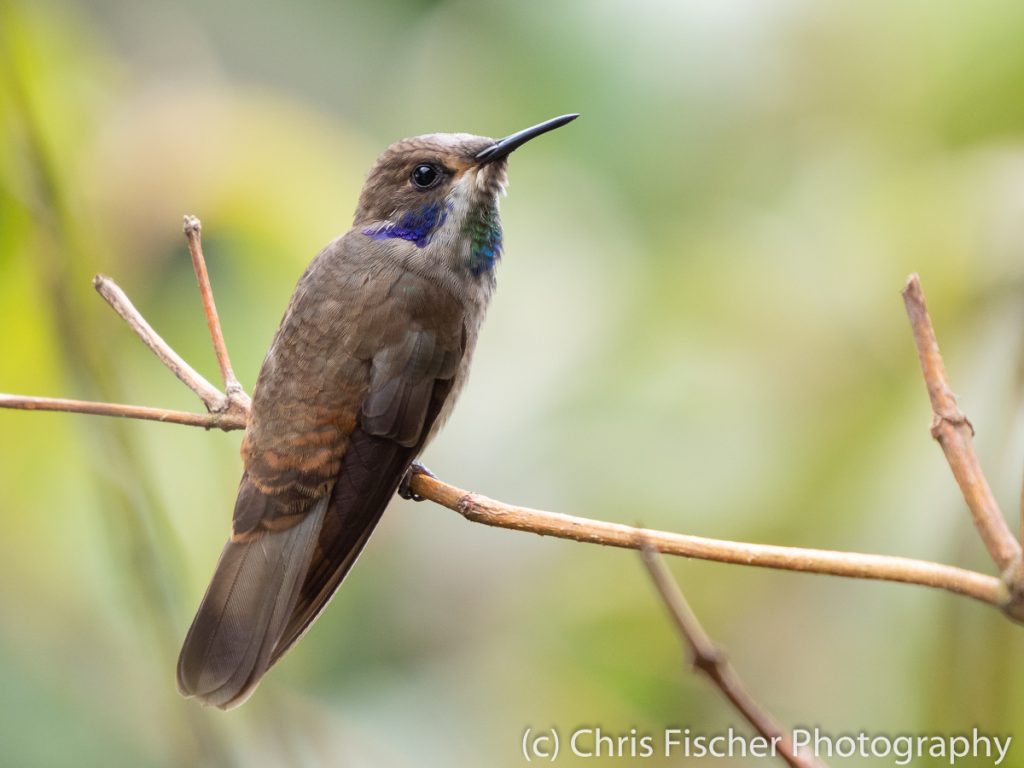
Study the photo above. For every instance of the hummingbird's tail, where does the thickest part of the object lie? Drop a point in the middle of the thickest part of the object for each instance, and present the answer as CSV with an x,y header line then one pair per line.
x,y
238,624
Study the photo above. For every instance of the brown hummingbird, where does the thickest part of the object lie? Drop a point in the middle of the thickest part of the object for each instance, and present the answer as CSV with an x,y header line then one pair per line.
x,y
373,349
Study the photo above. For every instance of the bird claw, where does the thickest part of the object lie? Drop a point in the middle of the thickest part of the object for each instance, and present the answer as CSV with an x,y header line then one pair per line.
x,y
405,487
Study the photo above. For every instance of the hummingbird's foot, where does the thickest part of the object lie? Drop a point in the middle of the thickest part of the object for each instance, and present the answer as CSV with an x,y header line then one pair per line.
x,y
405,487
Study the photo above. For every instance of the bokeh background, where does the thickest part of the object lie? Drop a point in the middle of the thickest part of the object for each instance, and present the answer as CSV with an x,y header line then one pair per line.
x,y
698,328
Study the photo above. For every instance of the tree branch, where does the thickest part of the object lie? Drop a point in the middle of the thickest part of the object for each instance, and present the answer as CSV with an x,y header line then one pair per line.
x,y
954,433
224,420
193,233
230,411
709,659
480,509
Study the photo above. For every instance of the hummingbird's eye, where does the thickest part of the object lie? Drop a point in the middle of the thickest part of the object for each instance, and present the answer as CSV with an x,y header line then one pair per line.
x,y
425,176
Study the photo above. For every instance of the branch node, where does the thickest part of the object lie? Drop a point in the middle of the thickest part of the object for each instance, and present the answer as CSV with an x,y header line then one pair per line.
x,y
466,505
710,660
238,401
954,418
1012,578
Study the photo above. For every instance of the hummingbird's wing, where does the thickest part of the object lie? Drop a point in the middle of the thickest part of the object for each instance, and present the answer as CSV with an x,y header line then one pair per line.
x,y
410,382
355,378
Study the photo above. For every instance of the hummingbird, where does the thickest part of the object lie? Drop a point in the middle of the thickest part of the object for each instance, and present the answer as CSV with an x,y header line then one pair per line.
x,y
366,365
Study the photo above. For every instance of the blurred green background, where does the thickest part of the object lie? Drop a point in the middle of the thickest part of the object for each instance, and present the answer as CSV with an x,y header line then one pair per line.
x,y
698,327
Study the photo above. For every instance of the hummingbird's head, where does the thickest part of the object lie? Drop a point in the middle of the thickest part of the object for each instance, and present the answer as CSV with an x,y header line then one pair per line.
x,y
439,193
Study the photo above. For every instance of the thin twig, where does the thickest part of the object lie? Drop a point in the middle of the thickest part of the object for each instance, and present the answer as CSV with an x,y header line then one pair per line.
x,y
954,432
480,509
709,659
212,398
193,233
226,421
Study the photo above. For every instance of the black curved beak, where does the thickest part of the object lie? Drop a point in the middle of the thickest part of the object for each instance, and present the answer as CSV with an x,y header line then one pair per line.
x,y
502,147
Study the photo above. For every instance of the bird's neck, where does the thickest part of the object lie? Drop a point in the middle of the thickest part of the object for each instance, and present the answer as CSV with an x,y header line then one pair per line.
x,y
482,227
478,225
417,226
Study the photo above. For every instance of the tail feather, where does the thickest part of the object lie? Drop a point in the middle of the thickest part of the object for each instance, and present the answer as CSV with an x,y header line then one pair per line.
x,y
245,611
